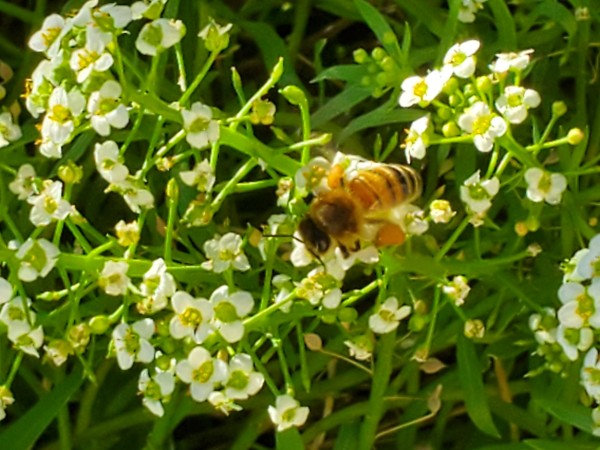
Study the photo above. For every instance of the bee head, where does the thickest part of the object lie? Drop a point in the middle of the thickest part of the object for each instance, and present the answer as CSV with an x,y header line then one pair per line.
x,y
314,238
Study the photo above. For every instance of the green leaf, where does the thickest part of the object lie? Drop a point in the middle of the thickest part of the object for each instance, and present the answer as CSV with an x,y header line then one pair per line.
x,y
349,72
426,13
472,383
507,33
289,440
572,413
339,104
513,414
381,28
347,437
383,115
543,444
23,434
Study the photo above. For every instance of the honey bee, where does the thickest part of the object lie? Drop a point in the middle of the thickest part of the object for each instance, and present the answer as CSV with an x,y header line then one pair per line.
x,y
356,207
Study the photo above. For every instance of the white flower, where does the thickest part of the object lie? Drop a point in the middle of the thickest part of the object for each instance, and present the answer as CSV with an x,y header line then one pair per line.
x,y
113,278
109,162
200,129
417,140
544,326
48,205
202,176
159,35
132,342
229,310
38,257
388,315
515,101
127,233
573,340
366,255
507,61
192,317
542,185
581,305
484,125
590,374
157,286
150,9
223,403
17,315
312,177
216,37
224,253
320,287
27,339
287,413
201,372
570,267
243,381
23,185
440,211
457,290
43,81
460,58
589,263
411,219
135,194
423,90
58,351
6,399
155,390
106,110
59,122
360,347
468,9
91,58
48,38
478,194
9,131
6,291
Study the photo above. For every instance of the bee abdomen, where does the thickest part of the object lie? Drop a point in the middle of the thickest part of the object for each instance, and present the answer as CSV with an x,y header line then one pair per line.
x,y
385,186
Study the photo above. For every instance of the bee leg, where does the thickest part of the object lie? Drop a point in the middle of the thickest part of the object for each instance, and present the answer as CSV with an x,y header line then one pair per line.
x,y
389,234
344,250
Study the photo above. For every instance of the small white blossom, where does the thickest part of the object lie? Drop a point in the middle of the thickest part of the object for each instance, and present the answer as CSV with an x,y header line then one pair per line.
x,y
37,257
440,211
92,58
423,90
64,108
417,140
478,194
457,290
243,381
319,287
411,219
155,390
223,403
43,81
106,110
159,35
9,130
48,38
588,266
360,347
312,177
23,186
113,278
6,291
287,413
229,310
202,372
127,233
515,101
468,10
58,351
590,374
150,9
570,267
132,342
109,163
17,315
544,326
483,125
216,37
157,287
224,253
6,399
388,315
192,317
27,339
581,305
200,129
515,61
542,185
461,58
48,205
135,193
202,176
573,340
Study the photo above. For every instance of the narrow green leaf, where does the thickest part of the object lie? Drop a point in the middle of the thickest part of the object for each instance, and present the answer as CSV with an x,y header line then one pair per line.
x,y
289,440
383,115
426,13
572,413
472,383
350,72
544,444
23,434
340,104
513,414
381,28
347,437
507,33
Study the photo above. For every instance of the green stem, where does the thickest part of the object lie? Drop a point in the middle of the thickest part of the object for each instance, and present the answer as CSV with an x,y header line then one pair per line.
x,y
452,239
171,219
14,369
192,87
302,12
232,183
434,310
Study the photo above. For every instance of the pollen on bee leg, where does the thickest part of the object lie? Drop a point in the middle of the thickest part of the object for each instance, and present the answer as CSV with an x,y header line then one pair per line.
x,y
335,179
389,234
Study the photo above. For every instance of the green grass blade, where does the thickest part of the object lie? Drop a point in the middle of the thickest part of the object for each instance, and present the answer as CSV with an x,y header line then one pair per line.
x,y
574,414
507,34
289,440
340,104
381,28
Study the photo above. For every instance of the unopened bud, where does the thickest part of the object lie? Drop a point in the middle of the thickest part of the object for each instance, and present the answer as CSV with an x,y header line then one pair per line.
x,y
559,108
575,136
99,324
70,173
474,329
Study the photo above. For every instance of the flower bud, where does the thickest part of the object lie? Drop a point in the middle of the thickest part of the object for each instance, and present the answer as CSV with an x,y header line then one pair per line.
x,y
575,136
216,37
474,329
450,129
294,95
559,108
378,54
360,56
99,324
348,315
70,173
484,84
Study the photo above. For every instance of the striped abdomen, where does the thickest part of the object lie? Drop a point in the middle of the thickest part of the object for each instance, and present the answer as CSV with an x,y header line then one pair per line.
x,y
385,186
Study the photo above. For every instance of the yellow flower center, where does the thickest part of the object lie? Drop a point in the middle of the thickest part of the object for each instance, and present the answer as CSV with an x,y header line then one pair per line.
x,y
225,312
204,371
50,35
191,317
60,114
238,380
585,306
481,124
